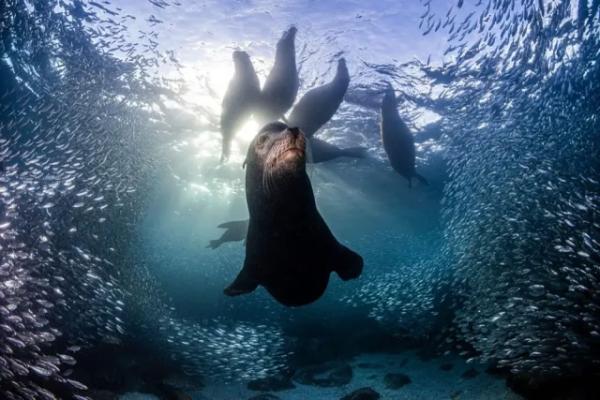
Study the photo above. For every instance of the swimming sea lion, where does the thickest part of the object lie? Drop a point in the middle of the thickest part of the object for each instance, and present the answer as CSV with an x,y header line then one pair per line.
x,y
398,141
289,248
322,151
234,232
318,105
281,87
240,99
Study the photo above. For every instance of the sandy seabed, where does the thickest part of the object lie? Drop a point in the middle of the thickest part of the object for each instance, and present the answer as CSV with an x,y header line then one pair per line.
x,y
430,379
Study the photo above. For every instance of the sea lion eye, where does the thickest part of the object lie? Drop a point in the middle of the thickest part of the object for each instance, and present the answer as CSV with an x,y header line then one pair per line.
x,y
261,139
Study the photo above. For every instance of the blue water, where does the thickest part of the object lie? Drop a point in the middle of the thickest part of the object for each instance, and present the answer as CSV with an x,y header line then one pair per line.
x,y
483,284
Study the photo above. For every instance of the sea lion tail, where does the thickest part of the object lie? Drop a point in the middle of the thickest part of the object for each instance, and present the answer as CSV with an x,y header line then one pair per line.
x,y
347,263
421,179
355,152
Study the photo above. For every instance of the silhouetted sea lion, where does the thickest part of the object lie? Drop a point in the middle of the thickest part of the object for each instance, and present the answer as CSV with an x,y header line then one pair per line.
x,y
234,232
289,248
240,99
281,87
318,105
398,142
322,151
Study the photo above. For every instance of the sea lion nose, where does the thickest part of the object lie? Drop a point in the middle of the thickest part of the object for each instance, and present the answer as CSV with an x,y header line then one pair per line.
x,y
295,131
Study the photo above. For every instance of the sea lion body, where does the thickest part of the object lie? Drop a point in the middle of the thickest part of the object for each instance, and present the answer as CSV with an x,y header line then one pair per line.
x,y
318,105
398,141
281,86
289,247
240,99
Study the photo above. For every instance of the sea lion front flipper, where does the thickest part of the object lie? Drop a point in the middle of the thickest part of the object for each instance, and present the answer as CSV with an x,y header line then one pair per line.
x,y
243,284
347,263
242,224
355,152
421,179
213,244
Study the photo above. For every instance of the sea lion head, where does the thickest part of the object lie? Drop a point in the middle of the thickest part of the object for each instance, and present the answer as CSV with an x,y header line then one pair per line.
x,y
342,67
389,96
342,70
241,60
289,35
286,43
277,153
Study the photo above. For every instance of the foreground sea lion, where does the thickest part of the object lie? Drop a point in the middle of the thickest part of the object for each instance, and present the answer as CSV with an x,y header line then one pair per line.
x,y
318,105
240,99
398,141
289,248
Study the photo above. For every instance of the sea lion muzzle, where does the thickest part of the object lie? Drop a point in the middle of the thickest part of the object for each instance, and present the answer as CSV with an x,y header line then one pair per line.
x,y
290,149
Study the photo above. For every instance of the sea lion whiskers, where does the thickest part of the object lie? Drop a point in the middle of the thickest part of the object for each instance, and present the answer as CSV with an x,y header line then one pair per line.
x,y
271,164
278,149
281,147
267,180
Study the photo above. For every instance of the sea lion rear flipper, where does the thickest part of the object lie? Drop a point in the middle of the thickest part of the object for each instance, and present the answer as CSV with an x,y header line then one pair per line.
x,y
243,284
347,263
213,244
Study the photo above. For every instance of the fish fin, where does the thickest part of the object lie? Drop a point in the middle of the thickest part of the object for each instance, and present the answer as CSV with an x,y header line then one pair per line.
x,y
242,284
421,179
213,244
347,263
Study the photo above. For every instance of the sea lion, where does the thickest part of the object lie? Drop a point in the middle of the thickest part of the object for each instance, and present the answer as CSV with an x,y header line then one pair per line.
x,y
289,248
240,99
318,105
398,141
322,151
234,232
281,87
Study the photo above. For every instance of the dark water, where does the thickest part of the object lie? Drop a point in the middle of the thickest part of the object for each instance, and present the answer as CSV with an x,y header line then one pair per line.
x,y
482,285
